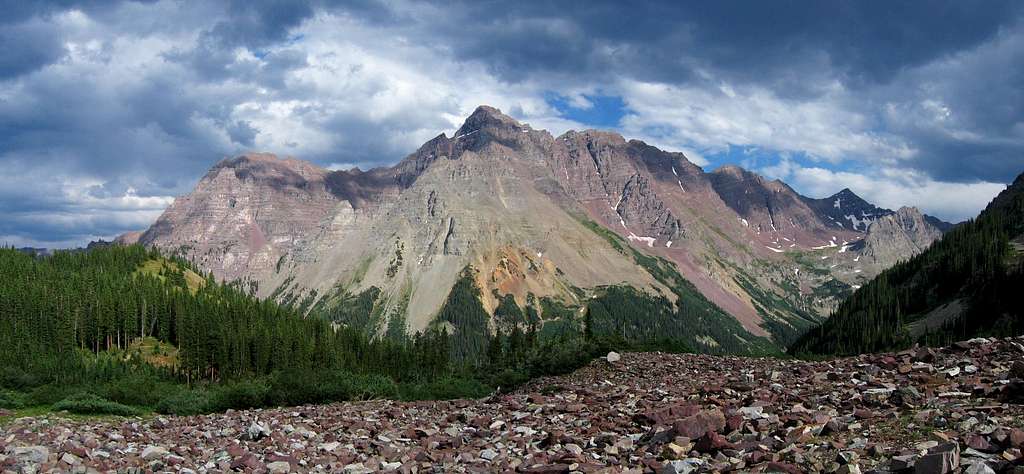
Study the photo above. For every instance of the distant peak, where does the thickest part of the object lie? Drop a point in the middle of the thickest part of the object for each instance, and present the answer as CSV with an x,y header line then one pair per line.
x,y
730,168
734,171
485,116
488,110
908,211
846,193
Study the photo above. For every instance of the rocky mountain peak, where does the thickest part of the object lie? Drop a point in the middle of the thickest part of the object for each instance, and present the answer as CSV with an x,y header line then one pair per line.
x,y
731,170
270,169
486,117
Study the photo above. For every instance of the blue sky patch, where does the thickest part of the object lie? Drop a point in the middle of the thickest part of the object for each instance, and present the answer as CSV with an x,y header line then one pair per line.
x,y
605,111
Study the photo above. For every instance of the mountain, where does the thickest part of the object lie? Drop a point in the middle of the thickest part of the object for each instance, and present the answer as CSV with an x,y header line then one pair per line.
x,y
964,285
847,210
563,230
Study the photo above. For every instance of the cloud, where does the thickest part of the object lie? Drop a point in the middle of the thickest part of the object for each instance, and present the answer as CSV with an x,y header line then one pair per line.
x,y
147,95
713,119
60,211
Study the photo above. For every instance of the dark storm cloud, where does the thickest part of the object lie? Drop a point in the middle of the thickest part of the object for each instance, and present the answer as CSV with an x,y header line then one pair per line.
x,y
797,50
25,48
671,41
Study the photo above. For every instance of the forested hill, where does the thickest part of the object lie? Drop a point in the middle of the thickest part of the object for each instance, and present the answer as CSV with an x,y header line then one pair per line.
x,y
56,310
120,329
967,284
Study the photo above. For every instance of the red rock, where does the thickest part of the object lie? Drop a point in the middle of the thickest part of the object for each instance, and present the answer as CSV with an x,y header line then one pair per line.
x,y
734,423
1017,438
695,426
981,444
669,414
783,467
712,442
248,461
863,414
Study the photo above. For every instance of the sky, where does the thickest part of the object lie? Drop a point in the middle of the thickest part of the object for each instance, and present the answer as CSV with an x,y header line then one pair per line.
x,y
109,109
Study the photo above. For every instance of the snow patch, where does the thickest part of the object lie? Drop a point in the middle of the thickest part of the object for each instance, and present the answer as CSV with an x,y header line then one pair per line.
x,y
828,245
773,249
668,244
745,223
465,134
837,204
648,240
857,223
616,208
674,171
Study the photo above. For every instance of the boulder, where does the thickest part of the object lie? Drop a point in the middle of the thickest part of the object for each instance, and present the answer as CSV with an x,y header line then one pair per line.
x,y
695,426
153,453
941,459
256,431
684,466
30,454
279,467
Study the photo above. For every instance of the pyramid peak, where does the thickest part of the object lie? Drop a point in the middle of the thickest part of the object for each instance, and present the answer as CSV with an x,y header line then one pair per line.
x,y
486,116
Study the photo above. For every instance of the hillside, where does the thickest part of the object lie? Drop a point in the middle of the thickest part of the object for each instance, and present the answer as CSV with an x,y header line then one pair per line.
x,y
926,411
964,285
125,329
547,225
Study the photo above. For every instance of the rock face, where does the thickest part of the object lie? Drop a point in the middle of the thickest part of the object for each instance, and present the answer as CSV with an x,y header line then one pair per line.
x,y
653,412
245,214
898,236
536,216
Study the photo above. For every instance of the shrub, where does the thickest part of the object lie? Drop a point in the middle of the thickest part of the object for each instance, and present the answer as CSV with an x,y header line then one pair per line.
x,y
90,404
16,379
509,379
447,388
11,400
137,390
185,402
564,355
300,387
369,387
239,395
50,393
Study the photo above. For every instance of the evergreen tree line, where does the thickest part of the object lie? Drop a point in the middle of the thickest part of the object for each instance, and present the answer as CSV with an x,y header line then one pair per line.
x,y
71,323
974,262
